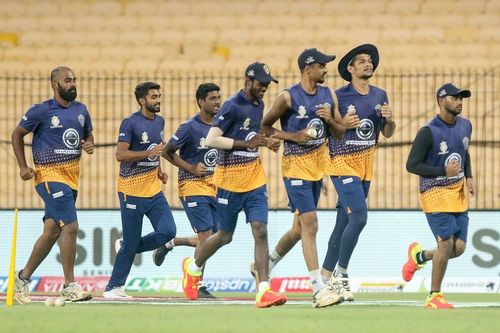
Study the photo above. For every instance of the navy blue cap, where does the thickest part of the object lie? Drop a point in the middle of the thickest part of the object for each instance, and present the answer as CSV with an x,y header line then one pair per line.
x,y
449,89
260,72
313,56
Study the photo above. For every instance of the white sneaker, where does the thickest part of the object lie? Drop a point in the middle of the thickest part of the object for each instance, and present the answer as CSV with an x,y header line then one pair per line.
x,y
116,293
326,296
21,290
73,292
341,284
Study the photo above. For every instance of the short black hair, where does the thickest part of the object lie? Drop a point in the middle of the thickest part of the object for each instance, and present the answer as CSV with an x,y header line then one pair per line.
x,y
143,89
54,74
204,89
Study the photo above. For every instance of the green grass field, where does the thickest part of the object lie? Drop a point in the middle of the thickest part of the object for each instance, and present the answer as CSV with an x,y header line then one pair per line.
x,y
178,315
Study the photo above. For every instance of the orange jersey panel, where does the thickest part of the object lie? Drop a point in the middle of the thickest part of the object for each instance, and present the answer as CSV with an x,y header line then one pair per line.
x,y
358,164
143,185
67,173
240,177
449,199
198,186
307,166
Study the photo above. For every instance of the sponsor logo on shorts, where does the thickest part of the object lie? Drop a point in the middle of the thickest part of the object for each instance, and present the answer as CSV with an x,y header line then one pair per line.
x,y
130,206
296,182
347,180
57,194
192,204
223,201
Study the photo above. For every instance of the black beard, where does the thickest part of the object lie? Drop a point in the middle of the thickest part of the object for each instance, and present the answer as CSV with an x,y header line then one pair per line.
x,y
151,108
69,95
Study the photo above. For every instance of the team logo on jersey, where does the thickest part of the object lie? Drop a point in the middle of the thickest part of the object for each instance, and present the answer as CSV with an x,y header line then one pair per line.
x,y
246,125
351,109
71,138
203,143
250,137
55,122
453,157
151,147
210,157
378,109
302,112
365,129
317,124
81,120
145,138
466,142
443,148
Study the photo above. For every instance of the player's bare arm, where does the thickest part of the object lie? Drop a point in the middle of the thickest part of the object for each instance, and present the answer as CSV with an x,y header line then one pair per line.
x,y
25,172
169,153
123,153
390,125
88,144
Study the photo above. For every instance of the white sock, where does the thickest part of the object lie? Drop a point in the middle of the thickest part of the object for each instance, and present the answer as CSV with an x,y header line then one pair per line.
x,y
264,285
274,259
325,278
170,244
340,270
316,281
193,268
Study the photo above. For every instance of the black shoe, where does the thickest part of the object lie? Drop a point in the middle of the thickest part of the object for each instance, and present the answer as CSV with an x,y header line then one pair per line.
x,y
159,255
204,293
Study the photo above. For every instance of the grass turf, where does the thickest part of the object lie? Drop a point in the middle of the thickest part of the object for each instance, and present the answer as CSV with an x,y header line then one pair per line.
x,y
140,318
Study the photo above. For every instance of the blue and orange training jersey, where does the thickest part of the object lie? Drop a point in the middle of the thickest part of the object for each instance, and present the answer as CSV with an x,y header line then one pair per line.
x,y
239,170
190,139
449,142
305,161
140,178
353,155
57,135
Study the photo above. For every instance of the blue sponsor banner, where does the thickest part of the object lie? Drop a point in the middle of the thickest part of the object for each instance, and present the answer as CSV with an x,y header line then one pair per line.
x,y
240,285
381,249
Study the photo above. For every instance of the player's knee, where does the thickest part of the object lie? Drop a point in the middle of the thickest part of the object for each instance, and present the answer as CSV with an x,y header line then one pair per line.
x,y
166,235
459,250
358,219
224,237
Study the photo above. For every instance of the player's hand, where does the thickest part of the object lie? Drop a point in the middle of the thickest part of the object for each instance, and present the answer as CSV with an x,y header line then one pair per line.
x,y
452,168
303,136
386,111
27,173
156,151
162,176
199,169
350,120
257,141
273,143
471,186
324,112
87,146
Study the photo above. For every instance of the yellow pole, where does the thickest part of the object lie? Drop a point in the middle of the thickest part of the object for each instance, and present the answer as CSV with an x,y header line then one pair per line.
x,y
12,268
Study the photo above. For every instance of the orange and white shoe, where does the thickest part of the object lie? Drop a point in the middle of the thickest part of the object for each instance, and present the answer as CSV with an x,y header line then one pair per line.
x,y
267,298
411,266
437,301
190,280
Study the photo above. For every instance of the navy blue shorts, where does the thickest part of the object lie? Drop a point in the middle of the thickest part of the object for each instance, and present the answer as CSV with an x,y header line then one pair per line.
x,y
59,201
254,203
201,211
352,192
445,225
156,208
303,195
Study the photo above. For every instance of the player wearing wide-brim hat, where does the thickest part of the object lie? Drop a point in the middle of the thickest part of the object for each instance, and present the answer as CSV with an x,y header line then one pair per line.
x,y
366,113
347,60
